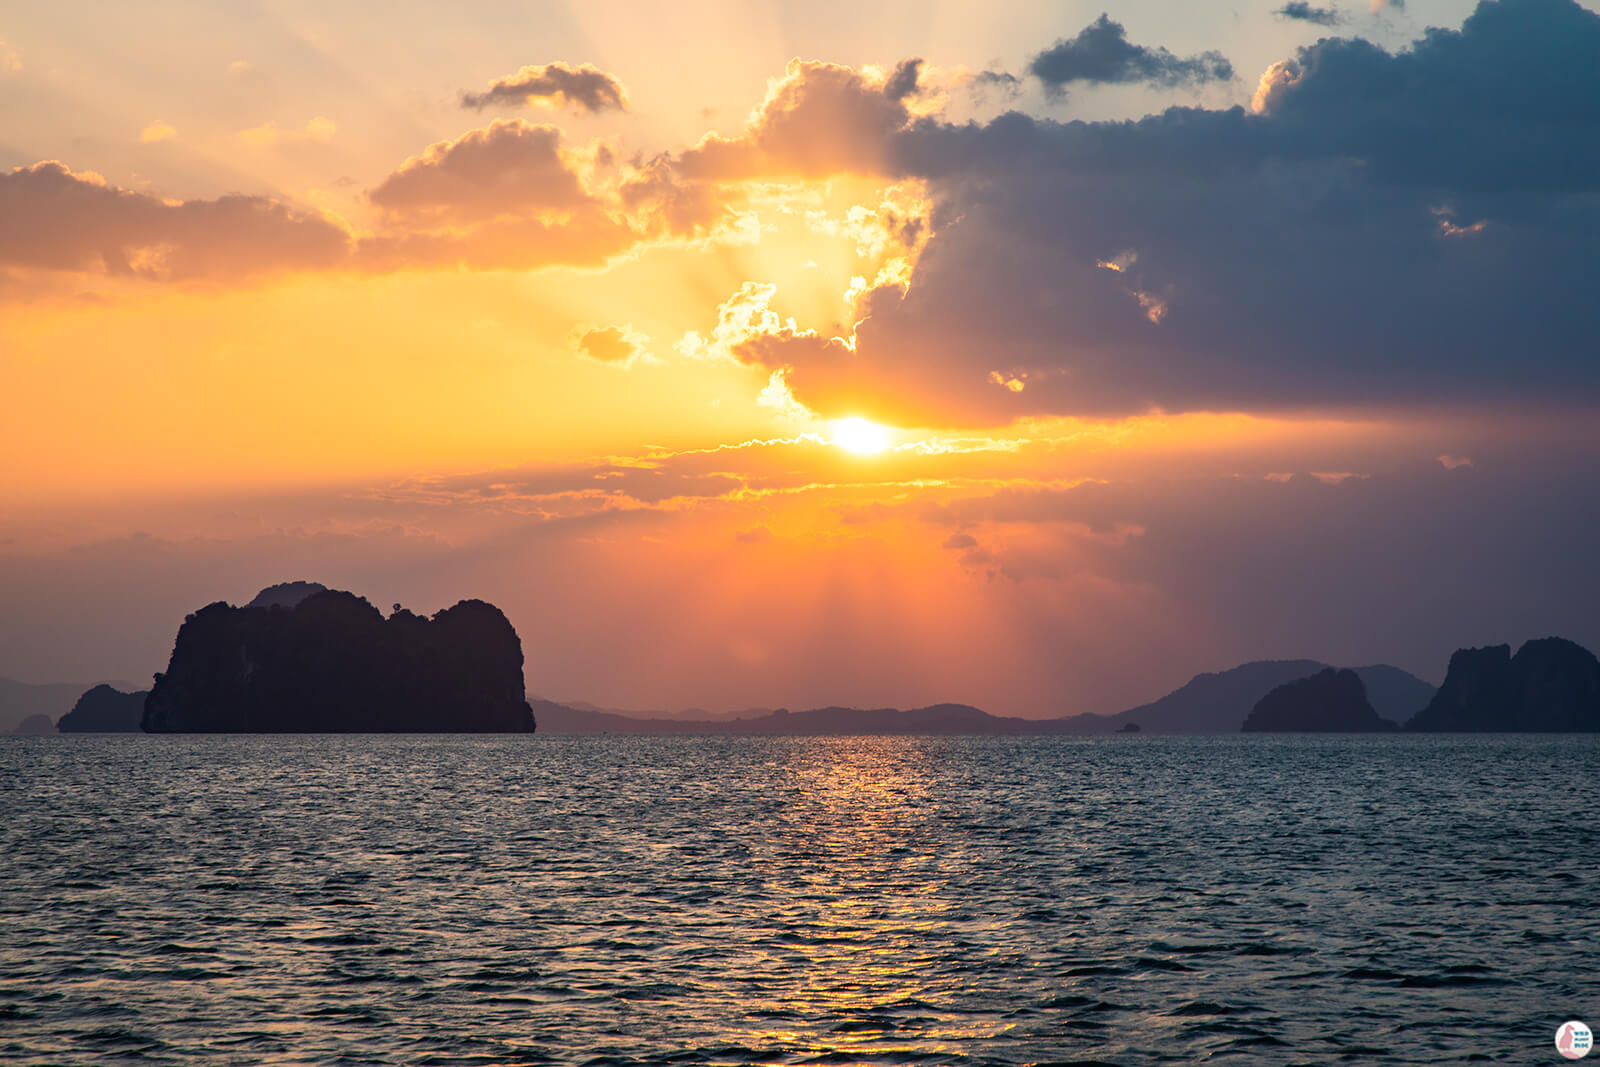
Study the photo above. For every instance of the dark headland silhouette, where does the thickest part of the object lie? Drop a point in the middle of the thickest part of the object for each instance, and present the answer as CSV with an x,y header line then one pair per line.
x,y
1330,701
1551,685
104,710
301,658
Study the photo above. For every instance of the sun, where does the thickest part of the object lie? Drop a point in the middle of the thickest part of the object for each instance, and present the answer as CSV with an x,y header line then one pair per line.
x,y
860,436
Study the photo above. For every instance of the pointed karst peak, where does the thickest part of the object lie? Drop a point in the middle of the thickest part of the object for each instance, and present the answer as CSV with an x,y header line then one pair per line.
x,y
285,594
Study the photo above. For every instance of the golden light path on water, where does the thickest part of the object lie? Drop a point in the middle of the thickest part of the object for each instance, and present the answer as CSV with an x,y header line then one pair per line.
x,y
874,922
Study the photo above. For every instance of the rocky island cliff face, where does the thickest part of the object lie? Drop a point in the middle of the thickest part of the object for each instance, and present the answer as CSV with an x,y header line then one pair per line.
x,y
329,662
1330,701
1551,685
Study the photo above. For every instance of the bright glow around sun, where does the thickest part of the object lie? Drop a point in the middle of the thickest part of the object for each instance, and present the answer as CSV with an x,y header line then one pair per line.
x,y
860,436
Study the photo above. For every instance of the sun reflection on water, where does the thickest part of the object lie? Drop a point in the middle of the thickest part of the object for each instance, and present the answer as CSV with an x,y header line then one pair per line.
x,y
869,922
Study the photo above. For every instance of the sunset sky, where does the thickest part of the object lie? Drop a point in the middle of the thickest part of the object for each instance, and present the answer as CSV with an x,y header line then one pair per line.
x,y
1035,356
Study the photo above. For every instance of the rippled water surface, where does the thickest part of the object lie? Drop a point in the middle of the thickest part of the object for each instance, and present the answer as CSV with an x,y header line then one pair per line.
x,y
614,900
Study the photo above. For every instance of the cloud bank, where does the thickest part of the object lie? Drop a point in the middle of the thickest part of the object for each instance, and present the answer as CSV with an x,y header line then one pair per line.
x,y
1384,229
509,168
1101,54
55,219
507,196
586,89
1302,11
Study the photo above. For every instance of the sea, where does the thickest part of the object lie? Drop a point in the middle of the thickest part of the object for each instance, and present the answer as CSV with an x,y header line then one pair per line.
x,y
613,900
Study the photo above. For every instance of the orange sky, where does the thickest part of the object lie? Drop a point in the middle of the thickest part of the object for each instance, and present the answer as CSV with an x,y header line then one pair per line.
x,y
567,309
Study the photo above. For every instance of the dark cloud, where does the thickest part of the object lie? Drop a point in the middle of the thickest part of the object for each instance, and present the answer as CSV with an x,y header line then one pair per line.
x,y
1391,229
586,88
57,220
1302,11
903,82
997,80
1102,54
1509,104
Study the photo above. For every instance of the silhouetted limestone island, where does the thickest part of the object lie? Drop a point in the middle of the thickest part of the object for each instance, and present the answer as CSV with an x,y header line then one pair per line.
x,y
104,710
1128,728
329,662
1330,701
1551,685
34,725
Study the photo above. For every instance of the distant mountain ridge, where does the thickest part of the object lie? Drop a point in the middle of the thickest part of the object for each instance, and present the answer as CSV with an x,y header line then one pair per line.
x,y
1212,702
692,714
1330,701
1208,703
20,701
831,721
1395,694
1218,702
